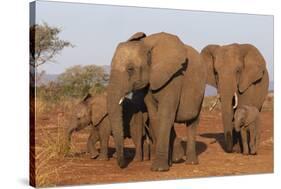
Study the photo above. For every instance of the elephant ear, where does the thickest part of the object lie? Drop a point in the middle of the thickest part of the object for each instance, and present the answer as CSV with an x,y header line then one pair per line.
x,y
208,55
168,58
98,109
137,36
253,67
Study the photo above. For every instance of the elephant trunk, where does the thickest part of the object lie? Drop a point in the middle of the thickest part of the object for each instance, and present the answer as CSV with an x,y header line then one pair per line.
x,y
229,100
69,133
115,94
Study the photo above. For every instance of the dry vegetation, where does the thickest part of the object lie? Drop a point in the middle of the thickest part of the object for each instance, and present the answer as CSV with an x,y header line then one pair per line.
x,y
51,144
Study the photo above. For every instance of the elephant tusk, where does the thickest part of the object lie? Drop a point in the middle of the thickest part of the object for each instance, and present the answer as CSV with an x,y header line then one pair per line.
x,y
215,103
128,96
236,100
121,100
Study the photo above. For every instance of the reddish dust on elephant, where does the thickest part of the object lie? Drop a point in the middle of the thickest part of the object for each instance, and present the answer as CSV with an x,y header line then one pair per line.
x,y
213,160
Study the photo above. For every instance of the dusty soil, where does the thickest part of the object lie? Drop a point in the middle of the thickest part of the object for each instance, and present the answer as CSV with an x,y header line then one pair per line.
x,y
213,161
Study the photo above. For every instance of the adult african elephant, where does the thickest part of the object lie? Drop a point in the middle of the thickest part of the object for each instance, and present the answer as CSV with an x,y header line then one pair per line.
x,y
176,79
239,73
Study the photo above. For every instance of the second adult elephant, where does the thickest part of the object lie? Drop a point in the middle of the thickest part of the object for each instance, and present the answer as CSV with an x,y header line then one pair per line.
x,y
176,78
239,73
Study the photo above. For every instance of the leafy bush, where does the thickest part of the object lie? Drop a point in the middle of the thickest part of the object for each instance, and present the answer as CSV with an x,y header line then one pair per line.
x,y
78,80
75,82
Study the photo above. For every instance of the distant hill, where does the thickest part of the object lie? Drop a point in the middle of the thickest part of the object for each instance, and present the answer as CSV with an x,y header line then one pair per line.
x,y
46,78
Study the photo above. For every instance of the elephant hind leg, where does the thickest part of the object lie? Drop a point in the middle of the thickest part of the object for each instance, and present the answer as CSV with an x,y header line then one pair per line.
x,y
237,142
136,132
91,144
152,113
146,148
178,150
104,134
191,155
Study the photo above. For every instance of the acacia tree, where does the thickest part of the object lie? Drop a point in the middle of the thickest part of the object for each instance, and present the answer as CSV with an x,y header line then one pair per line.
x,y
45,44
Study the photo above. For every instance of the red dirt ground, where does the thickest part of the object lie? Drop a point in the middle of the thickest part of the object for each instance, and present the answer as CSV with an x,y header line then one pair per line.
x,y
213,161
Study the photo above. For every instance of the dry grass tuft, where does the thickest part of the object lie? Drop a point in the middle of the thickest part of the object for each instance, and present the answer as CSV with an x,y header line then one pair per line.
x,y
208,103
52,149
51,145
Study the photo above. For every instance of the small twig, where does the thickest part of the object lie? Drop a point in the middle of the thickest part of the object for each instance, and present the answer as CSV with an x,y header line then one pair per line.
x,y
215,103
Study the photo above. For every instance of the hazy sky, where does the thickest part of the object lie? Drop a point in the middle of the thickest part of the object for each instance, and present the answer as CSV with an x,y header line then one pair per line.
x,y
95,30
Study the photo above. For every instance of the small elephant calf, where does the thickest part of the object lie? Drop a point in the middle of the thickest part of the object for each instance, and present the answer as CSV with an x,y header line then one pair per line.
x,y
247,122
92,111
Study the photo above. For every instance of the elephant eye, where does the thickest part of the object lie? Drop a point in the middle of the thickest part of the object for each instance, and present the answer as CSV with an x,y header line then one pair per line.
x,y
238,74
130,70
215,72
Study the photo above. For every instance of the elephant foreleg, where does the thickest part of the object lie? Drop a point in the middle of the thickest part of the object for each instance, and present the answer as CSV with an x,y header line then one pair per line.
x,y
244,141
191,155
176,148
166,117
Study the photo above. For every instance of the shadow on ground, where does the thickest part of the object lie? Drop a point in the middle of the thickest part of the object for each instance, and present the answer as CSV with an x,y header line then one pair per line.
x,y
218,137
129,154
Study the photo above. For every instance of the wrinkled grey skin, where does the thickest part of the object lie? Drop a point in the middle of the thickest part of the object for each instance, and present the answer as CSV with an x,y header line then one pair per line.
x,y
92,111
247,122
176,79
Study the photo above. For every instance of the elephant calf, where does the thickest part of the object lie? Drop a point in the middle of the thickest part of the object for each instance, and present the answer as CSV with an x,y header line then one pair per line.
x,y
92,111
246,121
